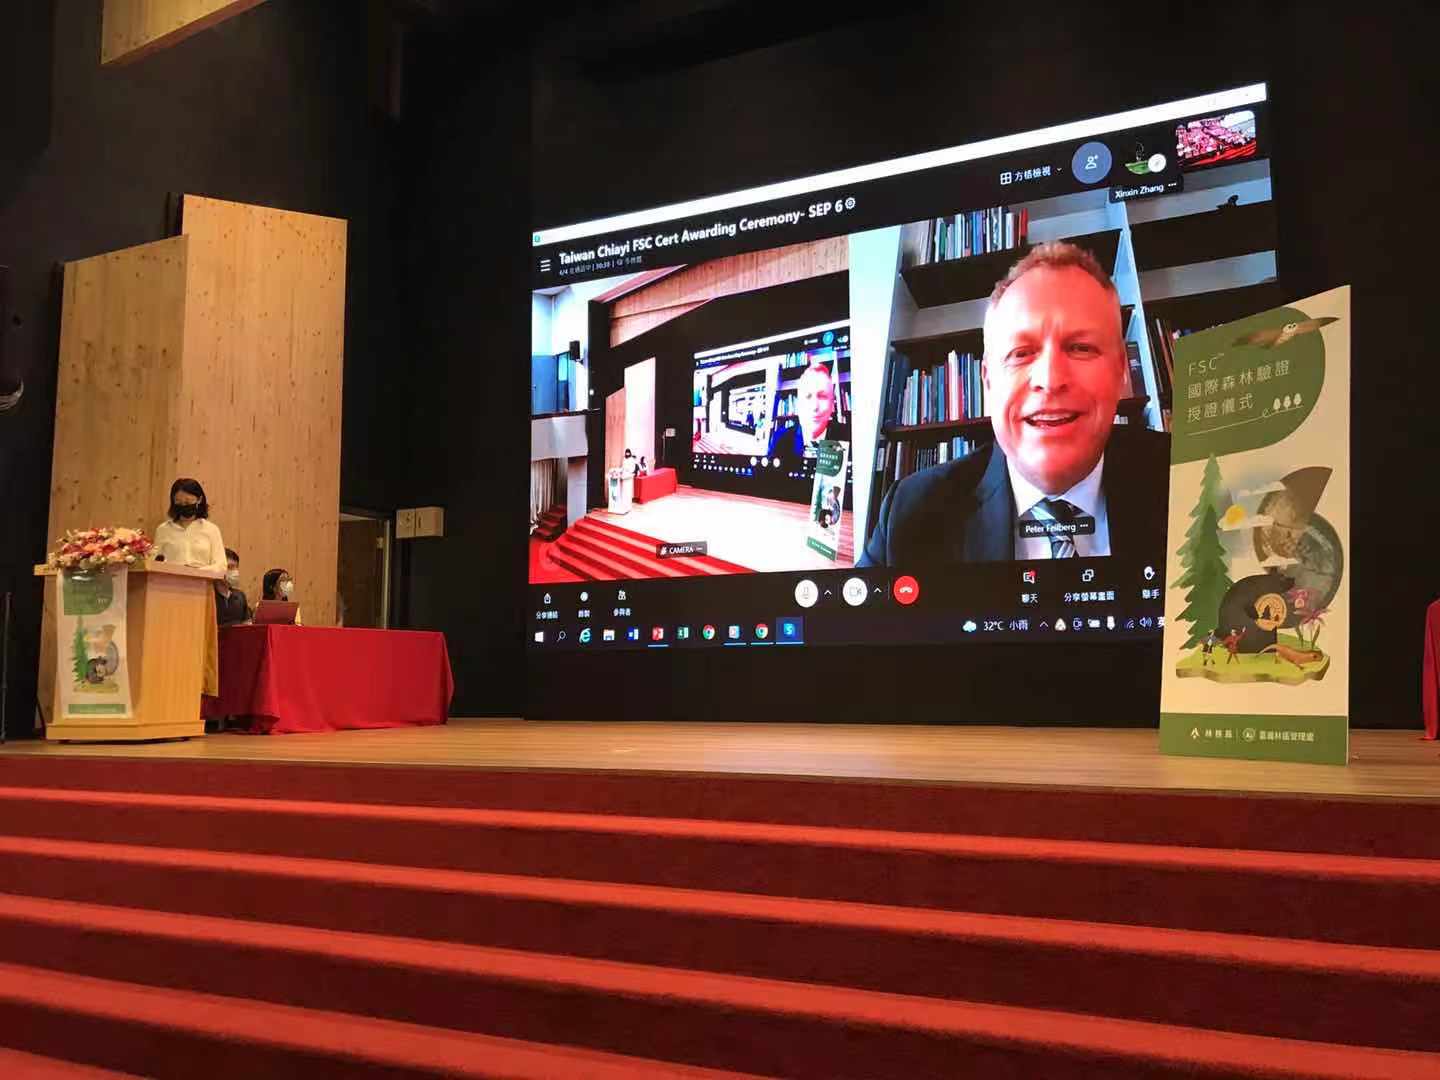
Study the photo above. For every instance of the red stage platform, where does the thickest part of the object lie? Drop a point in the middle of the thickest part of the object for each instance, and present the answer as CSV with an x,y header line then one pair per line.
x,y
638,901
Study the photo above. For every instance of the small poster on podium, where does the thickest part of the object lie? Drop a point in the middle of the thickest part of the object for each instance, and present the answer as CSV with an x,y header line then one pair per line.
x,y
94,670
1257,614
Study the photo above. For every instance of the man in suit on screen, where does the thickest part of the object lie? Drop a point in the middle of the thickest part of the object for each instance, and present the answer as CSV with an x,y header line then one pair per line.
x,y
1061,479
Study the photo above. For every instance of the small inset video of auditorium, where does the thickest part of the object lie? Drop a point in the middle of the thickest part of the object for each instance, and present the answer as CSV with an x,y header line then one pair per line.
x,y
675,416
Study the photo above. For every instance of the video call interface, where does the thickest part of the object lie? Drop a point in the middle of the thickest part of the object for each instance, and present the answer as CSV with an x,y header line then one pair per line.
x,y
923,400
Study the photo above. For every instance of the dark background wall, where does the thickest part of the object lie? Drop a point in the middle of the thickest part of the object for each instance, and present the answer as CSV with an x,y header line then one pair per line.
x,y
271,107
1354,146
514,117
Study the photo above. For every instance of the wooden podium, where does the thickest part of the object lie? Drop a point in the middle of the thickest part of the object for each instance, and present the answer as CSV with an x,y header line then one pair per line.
x,y
167,625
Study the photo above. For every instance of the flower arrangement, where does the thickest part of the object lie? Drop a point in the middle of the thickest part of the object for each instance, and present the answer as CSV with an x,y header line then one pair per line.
x,y
99,549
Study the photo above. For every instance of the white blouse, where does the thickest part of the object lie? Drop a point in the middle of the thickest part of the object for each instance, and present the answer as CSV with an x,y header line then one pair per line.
x,y
197,543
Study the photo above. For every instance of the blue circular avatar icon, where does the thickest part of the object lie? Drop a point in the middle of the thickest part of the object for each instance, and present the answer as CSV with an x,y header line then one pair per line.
x,y
1091,163
829,338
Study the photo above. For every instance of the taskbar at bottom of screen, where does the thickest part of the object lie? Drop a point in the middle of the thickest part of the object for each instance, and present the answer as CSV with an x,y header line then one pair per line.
x,y
866,629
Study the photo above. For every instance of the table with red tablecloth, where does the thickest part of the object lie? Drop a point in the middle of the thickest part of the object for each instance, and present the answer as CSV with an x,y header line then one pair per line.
x,y
320,678
1430,676
654,484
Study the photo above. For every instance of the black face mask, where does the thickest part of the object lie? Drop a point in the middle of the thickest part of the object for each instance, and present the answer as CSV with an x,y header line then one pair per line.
x,y
178,511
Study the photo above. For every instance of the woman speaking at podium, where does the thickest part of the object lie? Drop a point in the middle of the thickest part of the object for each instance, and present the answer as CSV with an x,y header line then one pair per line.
x,y
187,537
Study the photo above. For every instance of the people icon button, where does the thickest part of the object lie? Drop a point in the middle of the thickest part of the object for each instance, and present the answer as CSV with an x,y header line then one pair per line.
x,y
1091,163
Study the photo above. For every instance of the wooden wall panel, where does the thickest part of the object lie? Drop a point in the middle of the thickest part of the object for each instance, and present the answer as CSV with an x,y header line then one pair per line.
x,y
131,29
121,341
614,431
675,294
264,352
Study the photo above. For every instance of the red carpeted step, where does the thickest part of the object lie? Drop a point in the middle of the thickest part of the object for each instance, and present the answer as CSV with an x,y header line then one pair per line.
x,y
1369,996
173,1033
551,523
634,552
1391,827
708,563
646,545
576,551
15,1065
1322,897
597,545
705,1019
586,568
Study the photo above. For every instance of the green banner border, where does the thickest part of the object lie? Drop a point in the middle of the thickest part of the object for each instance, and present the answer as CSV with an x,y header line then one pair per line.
x,y
1322,740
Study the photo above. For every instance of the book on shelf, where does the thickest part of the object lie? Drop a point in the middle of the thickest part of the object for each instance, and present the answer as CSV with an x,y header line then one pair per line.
x,y
899,457
960,236
1162,342
928,391
941,393
1137,370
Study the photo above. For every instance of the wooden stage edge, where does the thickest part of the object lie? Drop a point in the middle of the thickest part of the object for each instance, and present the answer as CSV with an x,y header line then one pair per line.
x,y
1384,764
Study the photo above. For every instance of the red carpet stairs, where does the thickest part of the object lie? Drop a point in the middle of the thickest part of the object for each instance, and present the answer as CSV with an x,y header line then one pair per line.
x,y
600,550
232,920
551,524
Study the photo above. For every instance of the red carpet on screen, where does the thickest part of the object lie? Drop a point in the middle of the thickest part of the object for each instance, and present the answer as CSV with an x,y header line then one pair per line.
x,y
243,920
595,549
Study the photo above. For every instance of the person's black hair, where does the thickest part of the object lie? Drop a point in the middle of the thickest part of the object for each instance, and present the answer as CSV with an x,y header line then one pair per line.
x,y
191,487
270,581
230,555
628,453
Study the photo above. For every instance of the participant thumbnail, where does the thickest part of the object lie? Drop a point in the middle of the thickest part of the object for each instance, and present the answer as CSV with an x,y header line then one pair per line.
x,y
680,418
1028,378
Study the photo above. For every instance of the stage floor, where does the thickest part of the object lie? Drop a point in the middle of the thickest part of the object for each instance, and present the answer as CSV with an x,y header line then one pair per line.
x,y
1384,764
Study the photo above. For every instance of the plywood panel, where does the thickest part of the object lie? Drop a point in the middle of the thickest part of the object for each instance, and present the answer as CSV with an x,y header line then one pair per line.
x,y
264,352
674,294
135,28
614,430
121,339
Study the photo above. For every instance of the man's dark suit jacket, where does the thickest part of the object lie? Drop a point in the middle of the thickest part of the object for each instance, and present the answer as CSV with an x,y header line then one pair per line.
x,y
964,510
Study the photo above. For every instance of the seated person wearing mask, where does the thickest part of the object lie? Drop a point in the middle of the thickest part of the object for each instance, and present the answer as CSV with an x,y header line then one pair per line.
x,y
278,585
1061,480
231,606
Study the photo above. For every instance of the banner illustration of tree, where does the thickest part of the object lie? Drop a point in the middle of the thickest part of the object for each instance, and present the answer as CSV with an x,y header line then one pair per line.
x,y
1202,558
1259,526
90,631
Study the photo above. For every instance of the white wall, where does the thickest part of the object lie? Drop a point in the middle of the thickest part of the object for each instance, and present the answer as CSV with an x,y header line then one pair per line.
x,y
640,409
558,437
874,282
